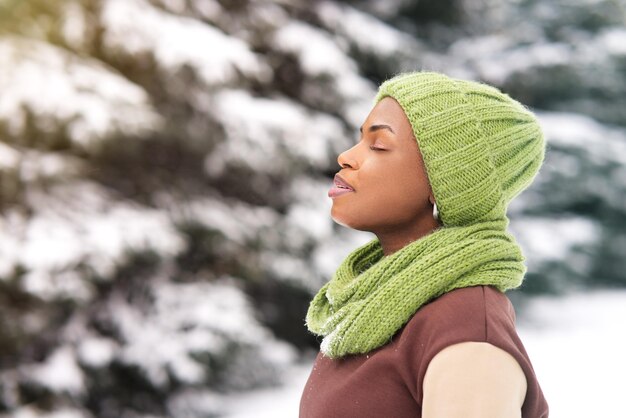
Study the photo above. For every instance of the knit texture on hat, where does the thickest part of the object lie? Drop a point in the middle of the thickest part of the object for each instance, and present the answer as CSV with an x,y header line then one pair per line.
x,y
481,149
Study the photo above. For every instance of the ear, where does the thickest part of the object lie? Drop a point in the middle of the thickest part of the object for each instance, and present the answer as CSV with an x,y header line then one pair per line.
x,y
431,198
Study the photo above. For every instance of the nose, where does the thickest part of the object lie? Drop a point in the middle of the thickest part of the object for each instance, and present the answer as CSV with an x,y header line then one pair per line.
x,y
346,159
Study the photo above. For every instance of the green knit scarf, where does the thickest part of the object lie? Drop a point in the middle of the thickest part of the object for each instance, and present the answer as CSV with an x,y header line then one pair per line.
x,y
371,296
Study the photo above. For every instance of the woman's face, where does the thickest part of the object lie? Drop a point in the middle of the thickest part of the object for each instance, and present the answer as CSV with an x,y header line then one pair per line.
x,y
386,170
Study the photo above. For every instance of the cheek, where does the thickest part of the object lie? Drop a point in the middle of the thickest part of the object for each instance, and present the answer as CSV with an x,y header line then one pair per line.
x,y
398,194
400,177
402,195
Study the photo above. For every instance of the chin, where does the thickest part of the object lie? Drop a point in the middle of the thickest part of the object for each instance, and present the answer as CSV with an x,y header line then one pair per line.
x,y
352,216
343,221
339,219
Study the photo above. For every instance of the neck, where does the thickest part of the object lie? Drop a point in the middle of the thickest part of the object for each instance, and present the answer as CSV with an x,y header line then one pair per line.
x,y
394,239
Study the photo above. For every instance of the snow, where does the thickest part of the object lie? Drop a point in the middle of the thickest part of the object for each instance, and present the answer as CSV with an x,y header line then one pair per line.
x,y
60,372
9,156
553,239
317,51
156,349
320,55
367,32
500,67
29,412
613,40
601,143
288,268
575,343
96,352
577,346
280,402
329,339
261,131
209,9
79,222
496,56
316,223
332,251
479,46
238,221
74,24
195,319
136,27
179,6
194,403
61,88
34,165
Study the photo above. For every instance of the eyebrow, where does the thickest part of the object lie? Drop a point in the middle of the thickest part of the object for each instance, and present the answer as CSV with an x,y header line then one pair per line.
x,y
377,127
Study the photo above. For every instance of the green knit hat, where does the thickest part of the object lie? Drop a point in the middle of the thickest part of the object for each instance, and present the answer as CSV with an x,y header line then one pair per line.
x,y
480,147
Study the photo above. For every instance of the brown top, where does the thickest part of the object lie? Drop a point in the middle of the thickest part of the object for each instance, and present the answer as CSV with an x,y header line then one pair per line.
x,y
387,381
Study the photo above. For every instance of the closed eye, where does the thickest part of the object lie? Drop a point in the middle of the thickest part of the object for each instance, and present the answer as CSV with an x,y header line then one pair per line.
x,y
373,148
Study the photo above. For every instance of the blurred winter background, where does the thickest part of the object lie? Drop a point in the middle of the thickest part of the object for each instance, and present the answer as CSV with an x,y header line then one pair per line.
x,y
164,169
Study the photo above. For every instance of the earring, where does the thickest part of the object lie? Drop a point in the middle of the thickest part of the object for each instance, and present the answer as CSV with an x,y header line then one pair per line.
x,y
435,212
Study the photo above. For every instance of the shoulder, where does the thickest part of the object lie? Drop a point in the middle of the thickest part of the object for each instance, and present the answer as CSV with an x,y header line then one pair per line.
x,y
465,312
473,379
470,299
479,314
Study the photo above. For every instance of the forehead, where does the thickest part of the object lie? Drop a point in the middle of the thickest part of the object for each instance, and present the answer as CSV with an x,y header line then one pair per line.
x,y
389,111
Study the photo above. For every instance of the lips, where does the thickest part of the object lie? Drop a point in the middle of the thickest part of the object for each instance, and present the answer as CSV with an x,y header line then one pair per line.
x,y
340,187
341,183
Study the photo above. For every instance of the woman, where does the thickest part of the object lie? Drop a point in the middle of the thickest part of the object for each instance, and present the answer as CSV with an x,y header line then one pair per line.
x,y
416,322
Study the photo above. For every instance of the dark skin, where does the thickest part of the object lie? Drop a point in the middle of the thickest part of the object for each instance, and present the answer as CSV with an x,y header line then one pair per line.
x,y
393,198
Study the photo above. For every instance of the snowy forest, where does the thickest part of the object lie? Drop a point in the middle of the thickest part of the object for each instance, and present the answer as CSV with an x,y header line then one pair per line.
x,y
165,163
